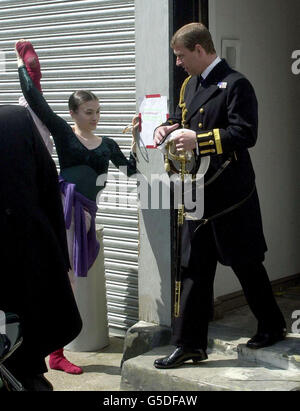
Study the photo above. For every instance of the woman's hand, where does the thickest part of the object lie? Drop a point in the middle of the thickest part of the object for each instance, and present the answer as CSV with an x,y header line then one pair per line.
x,y
133,128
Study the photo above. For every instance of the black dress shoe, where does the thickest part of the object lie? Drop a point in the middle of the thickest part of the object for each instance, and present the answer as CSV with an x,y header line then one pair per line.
x,y
180,356
261,340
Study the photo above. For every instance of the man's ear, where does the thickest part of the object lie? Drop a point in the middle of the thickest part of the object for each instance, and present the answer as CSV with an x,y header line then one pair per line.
x,y
199,49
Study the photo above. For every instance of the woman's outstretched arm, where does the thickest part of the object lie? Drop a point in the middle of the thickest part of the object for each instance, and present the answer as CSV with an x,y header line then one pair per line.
x,y
56,125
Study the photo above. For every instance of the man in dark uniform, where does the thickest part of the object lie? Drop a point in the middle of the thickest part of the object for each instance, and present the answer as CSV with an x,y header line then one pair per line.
x,y
34,282
218,106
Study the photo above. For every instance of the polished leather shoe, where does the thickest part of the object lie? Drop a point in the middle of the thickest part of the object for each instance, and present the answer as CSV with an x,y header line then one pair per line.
x,y
261,340
180,356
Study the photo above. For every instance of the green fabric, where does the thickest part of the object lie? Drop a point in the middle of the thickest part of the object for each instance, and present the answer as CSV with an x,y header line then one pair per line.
x,y
72,154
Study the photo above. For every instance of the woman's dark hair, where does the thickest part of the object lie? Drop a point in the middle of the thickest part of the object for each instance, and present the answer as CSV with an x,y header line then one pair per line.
x,y
80,97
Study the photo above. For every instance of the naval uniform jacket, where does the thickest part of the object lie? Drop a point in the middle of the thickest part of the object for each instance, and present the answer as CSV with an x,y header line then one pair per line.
x,y
223,113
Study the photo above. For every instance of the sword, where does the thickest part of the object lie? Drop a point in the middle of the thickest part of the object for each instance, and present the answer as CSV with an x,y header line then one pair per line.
x,y
181,163
180,220
182,159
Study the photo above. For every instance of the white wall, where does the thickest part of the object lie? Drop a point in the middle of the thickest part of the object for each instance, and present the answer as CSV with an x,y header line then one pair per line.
x,y
269,31
152,77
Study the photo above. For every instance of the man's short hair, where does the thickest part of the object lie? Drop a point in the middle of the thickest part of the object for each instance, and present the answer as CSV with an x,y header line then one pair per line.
x,y
192,34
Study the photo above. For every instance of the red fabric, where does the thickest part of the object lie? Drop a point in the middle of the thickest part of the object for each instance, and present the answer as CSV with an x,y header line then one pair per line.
x,y
58,361
31,61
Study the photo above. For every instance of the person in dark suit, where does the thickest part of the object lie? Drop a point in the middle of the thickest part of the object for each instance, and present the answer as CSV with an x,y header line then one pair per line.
x,y
218,107
34,253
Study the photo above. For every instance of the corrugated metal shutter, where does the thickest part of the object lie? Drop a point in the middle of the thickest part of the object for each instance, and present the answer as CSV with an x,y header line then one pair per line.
x,y
88,45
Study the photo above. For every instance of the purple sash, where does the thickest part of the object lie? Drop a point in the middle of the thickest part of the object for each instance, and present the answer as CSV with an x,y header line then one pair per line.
x,y
85,246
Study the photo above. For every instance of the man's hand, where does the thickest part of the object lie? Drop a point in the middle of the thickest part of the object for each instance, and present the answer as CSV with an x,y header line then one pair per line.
x,y
162,132
186,140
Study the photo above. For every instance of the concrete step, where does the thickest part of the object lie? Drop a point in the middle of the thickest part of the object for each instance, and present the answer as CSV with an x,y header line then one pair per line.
x,y
222,371
225,338
231,366
284,354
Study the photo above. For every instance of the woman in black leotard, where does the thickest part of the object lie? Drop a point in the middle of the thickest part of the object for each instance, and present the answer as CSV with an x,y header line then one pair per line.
x,y
83,156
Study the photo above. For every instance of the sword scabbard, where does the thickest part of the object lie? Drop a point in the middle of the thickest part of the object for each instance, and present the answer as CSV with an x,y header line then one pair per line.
x,y
177,298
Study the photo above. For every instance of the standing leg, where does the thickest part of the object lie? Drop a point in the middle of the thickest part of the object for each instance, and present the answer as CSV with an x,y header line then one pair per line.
x,y
191,327
57,360
259,295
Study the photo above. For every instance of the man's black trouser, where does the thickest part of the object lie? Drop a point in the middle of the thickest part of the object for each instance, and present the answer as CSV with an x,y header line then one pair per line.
x,y
191,327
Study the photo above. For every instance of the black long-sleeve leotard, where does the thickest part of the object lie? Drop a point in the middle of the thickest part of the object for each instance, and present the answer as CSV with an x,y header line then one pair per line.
x,y
78,164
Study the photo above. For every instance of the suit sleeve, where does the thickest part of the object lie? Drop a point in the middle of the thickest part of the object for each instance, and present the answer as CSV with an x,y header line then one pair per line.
x,y
241,132
174,118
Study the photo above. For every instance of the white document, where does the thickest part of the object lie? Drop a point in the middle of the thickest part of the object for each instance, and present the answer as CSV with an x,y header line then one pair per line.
x,y
153,111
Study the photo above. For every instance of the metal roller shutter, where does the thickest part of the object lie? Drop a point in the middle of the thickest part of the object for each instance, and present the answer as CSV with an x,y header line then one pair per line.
x,y
88,44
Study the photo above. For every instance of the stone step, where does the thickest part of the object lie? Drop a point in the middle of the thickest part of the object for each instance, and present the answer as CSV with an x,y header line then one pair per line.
x,y
284,354
225,338
222,371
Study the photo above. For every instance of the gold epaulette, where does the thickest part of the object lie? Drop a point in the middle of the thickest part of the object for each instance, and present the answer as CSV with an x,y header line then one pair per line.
x,y
182,104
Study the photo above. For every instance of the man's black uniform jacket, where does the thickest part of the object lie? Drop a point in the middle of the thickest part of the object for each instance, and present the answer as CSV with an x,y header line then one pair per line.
x,y
223,113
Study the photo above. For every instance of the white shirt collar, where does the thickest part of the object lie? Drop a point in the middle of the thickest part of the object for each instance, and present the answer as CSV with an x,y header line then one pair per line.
x,y
210,67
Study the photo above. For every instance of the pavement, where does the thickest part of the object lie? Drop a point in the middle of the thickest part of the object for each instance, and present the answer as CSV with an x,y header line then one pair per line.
x,y
230,365
102,370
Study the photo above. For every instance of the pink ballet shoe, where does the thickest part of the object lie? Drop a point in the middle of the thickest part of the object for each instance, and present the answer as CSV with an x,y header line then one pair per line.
x,y
58,361
31,61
